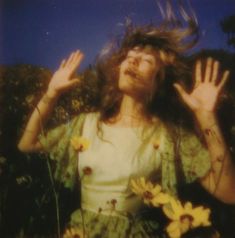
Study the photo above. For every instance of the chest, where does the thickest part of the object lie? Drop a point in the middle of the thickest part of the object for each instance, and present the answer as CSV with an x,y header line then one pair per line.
x,y
119,154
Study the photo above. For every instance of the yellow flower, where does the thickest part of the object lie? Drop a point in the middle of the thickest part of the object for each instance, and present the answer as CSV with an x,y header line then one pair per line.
x,y
80,143
73,232
184,217
150,193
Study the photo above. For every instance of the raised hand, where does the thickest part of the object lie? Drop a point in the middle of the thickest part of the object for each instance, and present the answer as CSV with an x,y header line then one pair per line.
x,y
207,87
63,80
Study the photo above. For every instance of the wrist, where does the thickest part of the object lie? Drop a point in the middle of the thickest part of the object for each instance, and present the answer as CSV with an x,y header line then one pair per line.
x,y
206,118
50,97
52,94
206,115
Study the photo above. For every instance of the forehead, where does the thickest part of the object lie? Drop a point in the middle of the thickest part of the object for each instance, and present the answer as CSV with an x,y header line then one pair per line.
x,y
146,50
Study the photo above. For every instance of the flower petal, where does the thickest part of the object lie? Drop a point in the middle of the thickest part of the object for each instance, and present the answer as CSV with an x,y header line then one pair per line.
x,y
134,187
160,199
142,182
169,212
188,206
173,230
156,189
176,207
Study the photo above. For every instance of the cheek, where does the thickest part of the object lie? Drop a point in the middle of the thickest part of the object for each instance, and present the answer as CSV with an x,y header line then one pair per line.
x,y
148,70
149,75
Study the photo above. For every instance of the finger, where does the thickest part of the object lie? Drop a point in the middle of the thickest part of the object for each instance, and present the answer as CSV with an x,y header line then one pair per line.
x,y
72,83
208,70
73,58
223,80
69,60
76,60
62,64
184,95
215,71
198,72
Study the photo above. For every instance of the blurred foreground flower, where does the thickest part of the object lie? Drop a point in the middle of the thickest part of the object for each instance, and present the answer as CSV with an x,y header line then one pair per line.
x,y
80,143
73,232
184,217
151,194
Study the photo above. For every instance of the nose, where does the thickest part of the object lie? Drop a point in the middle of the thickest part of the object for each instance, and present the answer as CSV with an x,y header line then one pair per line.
x,y
134,61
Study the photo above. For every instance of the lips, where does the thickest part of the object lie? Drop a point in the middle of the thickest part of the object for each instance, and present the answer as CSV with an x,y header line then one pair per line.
x,y
133,73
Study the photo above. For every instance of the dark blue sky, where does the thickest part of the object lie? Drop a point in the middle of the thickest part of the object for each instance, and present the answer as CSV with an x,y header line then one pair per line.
x,y
42,32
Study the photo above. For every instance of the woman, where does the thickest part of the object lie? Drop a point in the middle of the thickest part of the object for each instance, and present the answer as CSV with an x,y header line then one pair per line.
x,y
130,137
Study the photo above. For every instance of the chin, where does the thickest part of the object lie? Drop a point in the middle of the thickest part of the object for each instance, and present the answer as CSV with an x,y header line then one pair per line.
x,y
126,90
131,91
126,86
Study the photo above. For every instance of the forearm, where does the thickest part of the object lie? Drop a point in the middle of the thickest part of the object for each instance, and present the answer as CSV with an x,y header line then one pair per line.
x,y
29,140
221,179
60,82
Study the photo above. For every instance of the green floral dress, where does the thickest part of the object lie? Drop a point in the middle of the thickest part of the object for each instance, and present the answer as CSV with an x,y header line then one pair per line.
x,y
115,156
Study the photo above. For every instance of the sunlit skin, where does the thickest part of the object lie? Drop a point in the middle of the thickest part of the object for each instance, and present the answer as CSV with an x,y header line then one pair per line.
x,y
137,72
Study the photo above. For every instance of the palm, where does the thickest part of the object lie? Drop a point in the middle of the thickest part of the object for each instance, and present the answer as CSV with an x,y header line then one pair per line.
x,y
207,88
62,79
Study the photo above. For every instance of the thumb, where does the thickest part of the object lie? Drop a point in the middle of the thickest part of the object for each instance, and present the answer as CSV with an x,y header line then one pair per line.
x,y
73,82
184,95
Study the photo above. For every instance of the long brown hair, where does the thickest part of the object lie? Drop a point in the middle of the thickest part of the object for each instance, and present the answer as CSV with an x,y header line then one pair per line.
x,y
170,46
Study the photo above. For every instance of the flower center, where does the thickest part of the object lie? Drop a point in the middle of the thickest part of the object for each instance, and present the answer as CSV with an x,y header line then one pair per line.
x,y
148,195
81,148
186,218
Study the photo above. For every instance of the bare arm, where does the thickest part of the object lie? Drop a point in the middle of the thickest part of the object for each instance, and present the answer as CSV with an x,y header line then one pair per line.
x,y
61,81
220,181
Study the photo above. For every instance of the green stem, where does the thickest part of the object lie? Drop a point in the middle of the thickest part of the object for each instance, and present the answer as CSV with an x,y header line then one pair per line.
x,y
52,181
83,223
56,198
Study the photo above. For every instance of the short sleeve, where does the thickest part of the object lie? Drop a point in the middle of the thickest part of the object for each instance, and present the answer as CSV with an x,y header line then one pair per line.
x,y
56,143
194,156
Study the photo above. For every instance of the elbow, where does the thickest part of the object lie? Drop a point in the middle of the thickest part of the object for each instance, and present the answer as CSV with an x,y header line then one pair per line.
x,y
22,147
227,194
25,147
229,198
224,191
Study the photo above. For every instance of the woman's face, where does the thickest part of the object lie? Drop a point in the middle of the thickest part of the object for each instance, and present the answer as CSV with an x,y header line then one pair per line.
x,y
138,71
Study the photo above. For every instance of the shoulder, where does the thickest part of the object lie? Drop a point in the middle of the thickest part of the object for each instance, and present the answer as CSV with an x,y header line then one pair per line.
x,y
91,118
84,118
88,123
179,133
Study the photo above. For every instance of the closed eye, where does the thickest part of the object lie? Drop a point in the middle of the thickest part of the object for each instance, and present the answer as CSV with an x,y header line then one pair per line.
x,y
148,61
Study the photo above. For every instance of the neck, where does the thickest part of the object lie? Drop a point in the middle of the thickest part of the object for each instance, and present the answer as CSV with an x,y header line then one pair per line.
x,y
131,112
130,107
